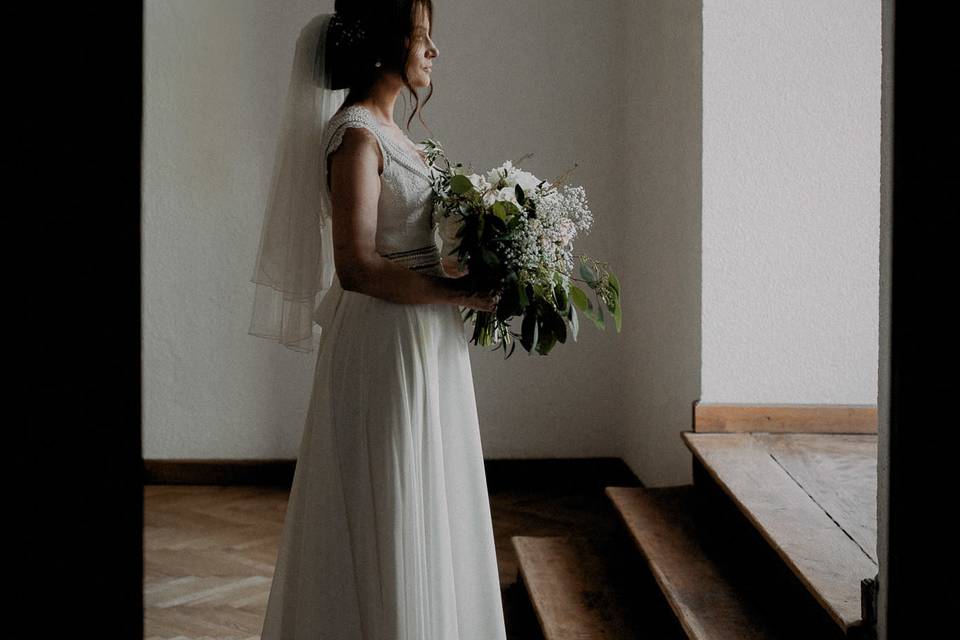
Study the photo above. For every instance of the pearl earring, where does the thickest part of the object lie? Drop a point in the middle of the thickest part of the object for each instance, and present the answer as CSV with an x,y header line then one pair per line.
x,y
377,63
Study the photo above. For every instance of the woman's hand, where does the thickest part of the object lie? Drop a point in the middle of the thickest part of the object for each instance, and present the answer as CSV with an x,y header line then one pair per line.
x,y
482,301
468,295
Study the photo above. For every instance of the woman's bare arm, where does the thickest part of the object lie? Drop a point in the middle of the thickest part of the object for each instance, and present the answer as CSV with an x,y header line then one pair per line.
x,y
355,189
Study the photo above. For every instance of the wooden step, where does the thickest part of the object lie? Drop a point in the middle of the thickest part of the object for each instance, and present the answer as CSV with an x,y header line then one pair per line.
x,y
813,499
578,592
708,601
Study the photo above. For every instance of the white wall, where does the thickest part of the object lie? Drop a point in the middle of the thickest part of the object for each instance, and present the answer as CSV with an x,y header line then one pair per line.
x,y
788,184
791,189
215,72
661,65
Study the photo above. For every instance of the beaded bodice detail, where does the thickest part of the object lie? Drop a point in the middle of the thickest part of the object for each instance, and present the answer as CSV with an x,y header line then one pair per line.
x,y
405,230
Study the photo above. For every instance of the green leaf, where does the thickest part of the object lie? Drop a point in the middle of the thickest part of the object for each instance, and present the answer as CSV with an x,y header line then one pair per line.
x,y
521,198
614,283
499,210
560,329
490,258
498,224
587,273
598,318
560,296
460,184
579,298
528,331
617,315
547,338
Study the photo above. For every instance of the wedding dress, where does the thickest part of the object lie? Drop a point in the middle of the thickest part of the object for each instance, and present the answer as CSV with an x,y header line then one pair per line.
x,y
388,533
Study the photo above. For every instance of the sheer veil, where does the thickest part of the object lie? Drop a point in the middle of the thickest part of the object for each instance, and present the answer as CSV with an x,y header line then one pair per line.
x,y
294,268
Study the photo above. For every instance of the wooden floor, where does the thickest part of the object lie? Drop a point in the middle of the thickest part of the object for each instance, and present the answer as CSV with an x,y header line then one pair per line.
x,y
209,553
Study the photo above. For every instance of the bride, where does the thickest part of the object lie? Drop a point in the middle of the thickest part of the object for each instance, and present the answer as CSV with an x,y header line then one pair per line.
x,y
387,533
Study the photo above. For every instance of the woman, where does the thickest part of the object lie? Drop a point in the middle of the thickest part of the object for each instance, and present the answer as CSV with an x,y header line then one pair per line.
x,y
387,534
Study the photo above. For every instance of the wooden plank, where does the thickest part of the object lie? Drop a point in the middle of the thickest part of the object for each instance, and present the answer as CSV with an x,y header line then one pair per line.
x,y
570,590
839,472
821,555
785,418
707,604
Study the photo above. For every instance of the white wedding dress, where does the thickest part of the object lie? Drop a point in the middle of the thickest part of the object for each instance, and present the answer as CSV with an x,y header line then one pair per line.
x,y
388,534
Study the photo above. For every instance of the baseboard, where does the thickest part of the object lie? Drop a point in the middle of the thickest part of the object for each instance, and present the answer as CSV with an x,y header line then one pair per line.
x,y
784,418
562,474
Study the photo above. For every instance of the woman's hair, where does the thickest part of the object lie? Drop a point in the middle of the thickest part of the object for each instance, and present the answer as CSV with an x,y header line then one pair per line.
x,y
363,32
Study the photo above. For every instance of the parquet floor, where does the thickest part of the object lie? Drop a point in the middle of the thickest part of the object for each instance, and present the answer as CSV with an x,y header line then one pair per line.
x,y
209,553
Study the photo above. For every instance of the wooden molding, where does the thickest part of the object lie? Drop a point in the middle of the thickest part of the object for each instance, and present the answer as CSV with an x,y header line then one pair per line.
x,y
507,473
784,418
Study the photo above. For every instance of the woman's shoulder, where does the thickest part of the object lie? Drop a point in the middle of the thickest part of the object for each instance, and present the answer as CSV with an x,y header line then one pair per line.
x,y
353,116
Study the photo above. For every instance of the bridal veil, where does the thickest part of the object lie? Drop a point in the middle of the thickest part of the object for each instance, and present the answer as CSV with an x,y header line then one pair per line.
x,y
294,267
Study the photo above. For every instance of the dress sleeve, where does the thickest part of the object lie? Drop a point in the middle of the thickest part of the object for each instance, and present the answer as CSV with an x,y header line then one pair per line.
x,y
336,138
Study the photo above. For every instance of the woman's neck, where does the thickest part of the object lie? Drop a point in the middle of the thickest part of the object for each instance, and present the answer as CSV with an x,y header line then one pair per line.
x,y
382,99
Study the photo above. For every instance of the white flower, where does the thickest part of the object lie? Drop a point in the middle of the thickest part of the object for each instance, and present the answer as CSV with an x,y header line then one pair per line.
x,y
526,180
507,194
507,175
479,182
494,176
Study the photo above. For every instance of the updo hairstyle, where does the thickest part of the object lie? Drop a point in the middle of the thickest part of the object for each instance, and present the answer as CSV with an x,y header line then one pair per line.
x,y
363,33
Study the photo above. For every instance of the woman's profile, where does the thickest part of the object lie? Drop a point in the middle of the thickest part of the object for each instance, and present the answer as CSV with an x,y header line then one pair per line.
x,y
387,533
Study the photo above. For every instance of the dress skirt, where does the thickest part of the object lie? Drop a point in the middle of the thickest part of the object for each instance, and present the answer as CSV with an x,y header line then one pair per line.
x,y
388,533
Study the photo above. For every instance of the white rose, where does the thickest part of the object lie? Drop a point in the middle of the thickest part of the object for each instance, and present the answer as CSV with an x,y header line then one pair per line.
x,y
479,182
508,194
526,180
494,176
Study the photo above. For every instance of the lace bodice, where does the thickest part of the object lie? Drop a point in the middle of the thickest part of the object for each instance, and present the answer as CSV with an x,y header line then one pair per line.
x,y
405,229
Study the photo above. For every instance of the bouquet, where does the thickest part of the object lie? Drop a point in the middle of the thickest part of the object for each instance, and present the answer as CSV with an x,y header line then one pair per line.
x,y
515,232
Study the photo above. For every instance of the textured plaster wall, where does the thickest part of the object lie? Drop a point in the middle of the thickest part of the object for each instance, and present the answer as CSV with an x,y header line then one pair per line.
x,y
791,201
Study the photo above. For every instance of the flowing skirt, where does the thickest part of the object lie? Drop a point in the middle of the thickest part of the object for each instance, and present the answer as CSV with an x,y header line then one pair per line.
x,y
388,534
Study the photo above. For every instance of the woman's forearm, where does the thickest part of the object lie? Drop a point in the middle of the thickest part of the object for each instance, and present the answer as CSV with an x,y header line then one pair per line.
x,y
383,278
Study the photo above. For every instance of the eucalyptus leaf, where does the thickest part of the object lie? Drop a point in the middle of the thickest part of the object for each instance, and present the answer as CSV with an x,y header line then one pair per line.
x,y
598,317
587,274
528,330
460,184
560,329
615,283
560,296
579,298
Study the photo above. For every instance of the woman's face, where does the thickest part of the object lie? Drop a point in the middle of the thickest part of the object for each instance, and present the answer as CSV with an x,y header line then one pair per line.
x,y
422,52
